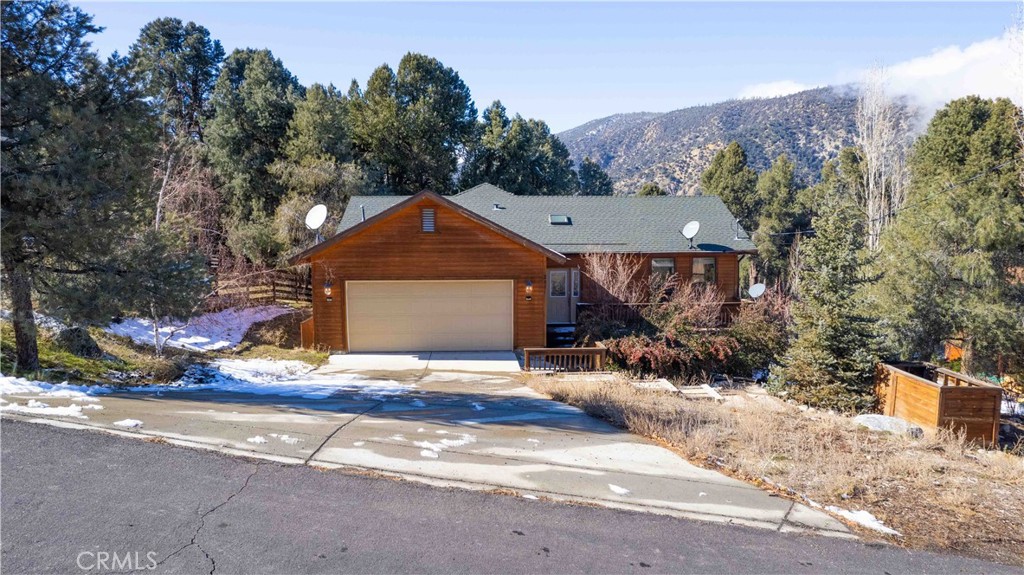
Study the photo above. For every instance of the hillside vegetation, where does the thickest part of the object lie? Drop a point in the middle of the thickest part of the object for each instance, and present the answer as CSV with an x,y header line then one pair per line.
x,y
674,148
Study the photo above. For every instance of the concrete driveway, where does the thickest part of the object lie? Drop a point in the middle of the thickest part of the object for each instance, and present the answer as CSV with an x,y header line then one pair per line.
x,y
478,431
467,361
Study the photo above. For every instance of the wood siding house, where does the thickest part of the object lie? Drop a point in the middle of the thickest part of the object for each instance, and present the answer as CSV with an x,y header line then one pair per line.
x,y
488,270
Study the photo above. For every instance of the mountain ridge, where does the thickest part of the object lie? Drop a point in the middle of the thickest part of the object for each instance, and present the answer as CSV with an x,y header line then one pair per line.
x,y
673,148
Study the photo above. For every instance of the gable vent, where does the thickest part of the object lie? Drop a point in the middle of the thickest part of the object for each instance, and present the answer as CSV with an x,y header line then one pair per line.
x,y
427,219
559,220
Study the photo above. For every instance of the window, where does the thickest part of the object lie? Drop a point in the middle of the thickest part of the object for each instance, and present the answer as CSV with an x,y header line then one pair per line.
x,y
704,271
557,287
427,218
663,266
575,283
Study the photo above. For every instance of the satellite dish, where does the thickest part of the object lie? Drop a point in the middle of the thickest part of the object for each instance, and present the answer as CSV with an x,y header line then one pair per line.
x,y
756,291
690,231
316,216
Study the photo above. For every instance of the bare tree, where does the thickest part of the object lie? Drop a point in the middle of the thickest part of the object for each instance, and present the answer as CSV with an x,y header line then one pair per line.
x,y
883,139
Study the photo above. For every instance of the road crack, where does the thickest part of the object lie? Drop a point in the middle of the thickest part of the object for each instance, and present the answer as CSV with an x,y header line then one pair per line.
x,y
202,523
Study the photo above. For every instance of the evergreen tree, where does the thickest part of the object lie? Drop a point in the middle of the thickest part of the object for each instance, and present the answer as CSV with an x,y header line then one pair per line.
x,y
782,216
253,101
178,64
413,125
832,359
651,189
520,156
952,259
593,180
730,178
73,128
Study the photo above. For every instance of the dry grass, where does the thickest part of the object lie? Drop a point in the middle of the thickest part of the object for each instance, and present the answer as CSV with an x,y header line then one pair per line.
x,y
940,492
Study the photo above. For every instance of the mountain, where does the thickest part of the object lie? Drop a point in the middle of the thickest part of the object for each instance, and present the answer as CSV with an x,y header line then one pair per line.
x,y
674,148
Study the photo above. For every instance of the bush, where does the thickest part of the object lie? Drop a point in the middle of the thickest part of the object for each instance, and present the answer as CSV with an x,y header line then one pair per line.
x,y
695,356
761,329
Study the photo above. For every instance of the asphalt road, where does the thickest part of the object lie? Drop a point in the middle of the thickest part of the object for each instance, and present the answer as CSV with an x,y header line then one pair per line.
x,y
73,498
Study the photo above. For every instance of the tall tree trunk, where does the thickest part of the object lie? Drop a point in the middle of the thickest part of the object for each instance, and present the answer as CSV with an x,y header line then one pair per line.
x,y
19,286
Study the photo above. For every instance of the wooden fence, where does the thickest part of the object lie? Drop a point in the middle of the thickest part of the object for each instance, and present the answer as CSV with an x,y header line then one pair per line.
x,y
937,397
271,287
556,359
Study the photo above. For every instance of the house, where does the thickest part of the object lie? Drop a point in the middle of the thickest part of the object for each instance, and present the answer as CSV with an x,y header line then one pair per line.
x,y
488,270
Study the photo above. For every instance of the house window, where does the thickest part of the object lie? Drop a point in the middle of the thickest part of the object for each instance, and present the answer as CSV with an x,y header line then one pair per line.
x,y
575,283
557,286
705,271
663,266
427,219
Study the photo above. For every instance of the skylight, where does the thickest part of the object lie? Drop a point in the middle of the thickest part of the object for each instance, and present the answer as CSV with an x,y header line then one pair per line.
x,y
559,220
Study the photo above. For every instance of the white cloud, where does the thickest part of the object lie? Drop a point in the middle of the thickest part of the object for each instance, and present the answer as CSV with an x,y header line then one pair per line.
x,y
773,89
990,68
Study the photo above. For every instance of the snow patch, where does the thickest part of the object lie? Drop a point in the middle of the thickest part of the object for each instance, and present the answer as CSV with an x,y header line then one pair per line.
x,y
359,443
129,423
478,407
20,386
417,403
277,377
39,408
436,447
618,490
208,332
865,519
428,453
257,439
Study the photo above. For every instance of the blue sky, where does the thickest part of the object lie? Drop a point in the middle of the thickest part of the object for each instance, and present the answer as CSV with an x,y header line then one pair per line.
x,y
568,63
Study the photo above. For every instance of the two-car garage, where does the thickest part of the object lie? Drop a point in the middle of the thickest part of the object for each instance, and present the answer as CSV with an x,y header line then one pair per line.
x,y
429,315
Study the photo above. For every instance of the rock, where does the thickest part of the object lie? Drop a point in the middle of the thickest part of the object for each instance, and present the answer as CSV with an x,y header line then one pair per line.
x,y
876,422
77,341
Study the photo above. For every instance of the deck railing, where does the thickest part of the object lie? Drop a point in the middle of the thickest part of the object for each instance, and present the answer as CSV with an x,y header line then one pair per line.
x,y
556,359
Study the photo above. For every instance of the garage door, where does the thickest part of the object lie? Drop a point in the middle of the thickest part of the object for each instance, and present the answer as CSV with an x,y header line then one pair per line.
x,y
429,315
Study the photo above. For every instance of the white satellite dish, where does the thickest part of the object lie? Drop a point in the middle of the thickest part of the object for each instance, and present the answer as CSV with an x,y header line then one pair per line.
x,y
756,290
316,216
690,231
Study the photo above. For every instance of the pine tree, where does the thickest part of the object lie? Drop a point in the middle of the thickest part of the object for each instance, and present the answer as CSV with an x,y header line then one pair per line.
x,y
730,178
412,125
253,102
178,65
832,359
593,180
651,189
520,156
73,128
782,216
952,259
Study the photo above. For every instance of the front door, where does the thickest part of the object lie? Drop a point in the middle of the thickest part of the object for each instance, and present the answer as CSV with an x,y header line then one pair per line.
x,y
559,305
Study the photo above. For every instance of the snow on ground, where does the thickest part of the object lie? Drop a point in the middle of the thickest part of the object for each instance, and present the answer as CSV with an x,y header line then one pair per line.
x,y
257,439
43,321
208,332
863,518
22,386
39,408
278,377
129,423
433,448
618,490
77,393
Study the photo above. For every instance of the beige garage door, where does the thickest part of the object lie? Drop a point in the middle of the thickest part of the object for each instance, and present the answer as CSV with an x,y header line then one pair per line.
x,y
429,315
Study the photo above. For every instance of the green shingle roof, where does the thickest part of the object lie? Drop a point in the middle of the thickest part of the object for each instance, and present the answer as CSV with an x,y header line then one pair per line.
x,y
627,224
